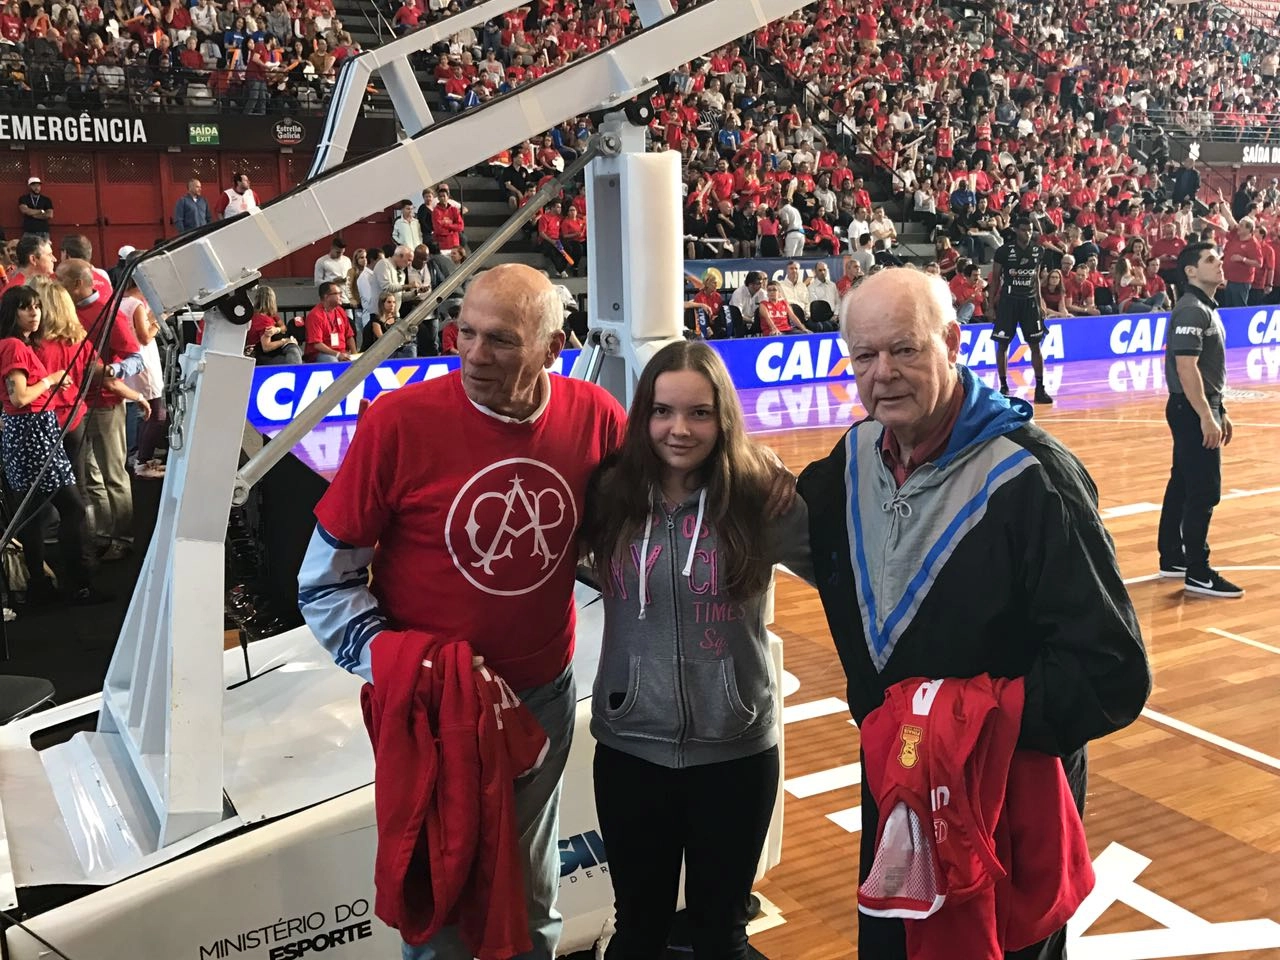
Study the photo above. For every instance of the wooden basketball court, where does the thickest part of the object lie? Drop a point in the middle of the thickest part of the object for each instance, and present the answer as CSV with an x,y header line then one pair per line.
x,y
1183,813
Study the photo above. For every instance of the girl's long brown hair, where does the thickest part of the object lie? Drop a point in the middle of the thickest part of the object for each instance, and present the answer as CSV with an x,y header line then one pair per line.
x,y
736,476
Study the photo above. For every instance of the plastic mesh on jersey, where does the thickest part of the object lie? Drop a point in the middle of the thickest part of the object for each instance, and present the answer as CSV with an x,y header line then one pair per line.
x,y
902,881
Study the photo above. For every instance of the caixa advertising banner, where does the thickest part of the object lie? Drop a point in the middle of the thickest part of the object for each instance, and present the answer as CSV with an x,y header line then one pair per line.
x,y
279,393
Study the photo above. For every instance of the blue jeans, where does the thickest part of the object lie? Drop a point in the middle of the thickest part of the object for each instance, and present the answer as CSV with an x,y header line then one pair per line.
x,y
538,820
1237,294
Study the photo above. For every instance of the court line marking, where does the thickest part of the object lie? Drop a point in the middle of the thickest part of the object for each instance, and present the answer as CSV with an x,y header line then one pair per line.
x,y
1239,639
1145,578
1163,423
1130,509
1240,750
849,820
824,781
813,709
1233,569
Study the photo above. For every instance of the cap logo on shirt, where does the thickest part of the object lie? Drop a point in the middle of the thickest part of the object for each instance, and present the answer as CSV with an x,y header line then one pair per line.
x,y
510,525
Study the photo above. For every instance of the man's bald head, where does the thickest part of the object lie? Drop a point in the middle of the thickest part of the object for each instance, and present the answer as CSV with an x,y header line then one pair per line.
x,y
524,292
509,333
903,342
907,296
77,276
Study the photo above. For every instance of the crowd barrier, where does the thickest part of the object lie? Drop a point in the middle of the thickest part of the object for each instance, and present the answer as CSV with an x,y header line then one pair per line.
x,y
280,392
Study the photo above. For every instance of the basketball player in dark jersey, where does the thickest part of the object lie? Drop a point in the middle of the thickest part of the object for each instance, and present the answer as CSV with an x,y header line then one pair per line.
x,y
1015,299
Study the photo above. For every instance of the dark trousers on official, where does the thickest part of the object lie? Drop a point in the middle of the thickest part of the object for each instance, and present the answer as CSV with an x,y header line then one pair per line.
x,y
1195,486
713,817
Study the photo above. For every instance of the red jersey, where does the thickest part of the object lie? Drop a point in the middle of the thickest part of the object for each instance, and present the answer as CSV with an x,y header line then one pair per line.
x,y
942,142
16,354
467,544
778,315
328,327
448,742
998,858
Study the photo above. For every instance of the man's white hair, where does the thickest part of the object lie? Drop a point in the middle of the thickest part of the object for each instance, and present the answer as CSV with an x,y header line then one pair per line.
x,y
935,289
547,310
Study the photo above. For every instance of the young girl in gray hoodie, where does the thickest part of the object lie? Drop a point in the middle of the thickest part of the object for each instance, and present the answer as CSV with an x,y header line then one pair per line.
x,y
686,764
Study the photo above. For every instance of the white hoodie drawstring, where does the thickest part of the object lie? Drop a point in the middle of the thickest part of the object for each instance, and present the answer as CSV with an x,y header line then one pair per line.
x,y
697,529
644,560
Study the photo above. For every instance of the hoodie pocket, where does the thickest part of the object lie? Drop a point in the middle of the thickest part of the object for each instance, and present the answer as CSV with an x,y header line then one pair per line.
x,y
647,708
716,708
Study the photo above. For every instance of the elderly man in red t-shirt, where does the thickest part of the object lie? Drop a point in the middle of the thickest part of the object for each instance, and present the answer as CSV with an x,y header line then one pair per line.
x,y
415,506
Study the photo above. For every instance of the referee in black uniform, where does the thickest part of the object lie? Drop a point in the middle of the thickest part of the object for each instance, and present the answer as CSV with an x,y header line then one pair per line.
x,y
1195,364
1015,296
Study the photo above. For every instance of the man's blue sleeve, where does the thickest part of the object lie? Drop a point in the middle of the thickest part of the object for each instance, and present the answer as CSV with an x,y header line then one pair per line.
x,y
128,366
336,602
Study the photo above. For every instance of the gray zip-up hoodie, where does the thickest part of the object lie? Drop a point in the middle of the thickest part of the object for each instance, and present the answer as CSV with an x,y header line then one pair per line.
x,y
684,676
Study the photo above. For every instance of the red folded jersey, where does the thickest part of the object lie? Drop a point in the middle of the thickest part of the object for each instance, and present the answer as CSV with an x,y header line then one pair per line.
x,y
980,848
448,741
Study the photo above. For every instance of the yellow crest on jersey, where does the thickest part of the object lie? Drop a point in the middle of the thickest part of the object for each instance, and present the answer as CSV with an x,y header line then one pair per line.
x,y
909,756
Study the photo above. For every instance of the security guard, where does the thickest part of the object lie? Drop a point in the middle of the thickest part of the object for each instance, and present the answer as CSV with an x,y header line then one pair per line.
x,y
1195,364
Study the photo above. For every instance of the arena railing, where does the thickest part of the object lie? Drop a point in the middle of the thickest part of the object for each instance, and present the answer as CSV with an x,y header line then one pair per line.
x,y
1215,127
27,81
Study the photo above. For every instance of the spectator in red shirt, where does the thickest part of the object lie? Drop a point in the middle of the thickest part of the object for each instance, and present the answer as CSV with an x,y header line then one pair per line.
x,y
1080,300
966,291
1154,289
777,316
1264,276
329,334
447,224
549,244
1241,257
573,236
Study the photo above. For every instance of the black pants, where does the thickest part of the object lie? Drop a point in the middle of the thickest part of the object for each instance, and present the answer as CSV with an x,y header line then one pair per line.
x,y
713,817
73,538
1195,486
73,443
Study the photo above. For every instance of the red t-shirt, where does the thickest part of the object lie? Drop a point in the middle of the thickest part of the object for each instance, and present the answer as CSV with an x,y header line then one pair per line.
x,y
331,328
75,358
1167,249
449,338
1080,293
121,342
778,315
1236,272
480,544
16,354
1265,275
549,224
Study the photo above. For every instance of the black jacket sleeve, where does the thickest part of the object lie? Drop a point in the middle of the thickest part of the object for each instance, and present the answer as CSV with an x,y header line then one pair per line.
x,y
1089,676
